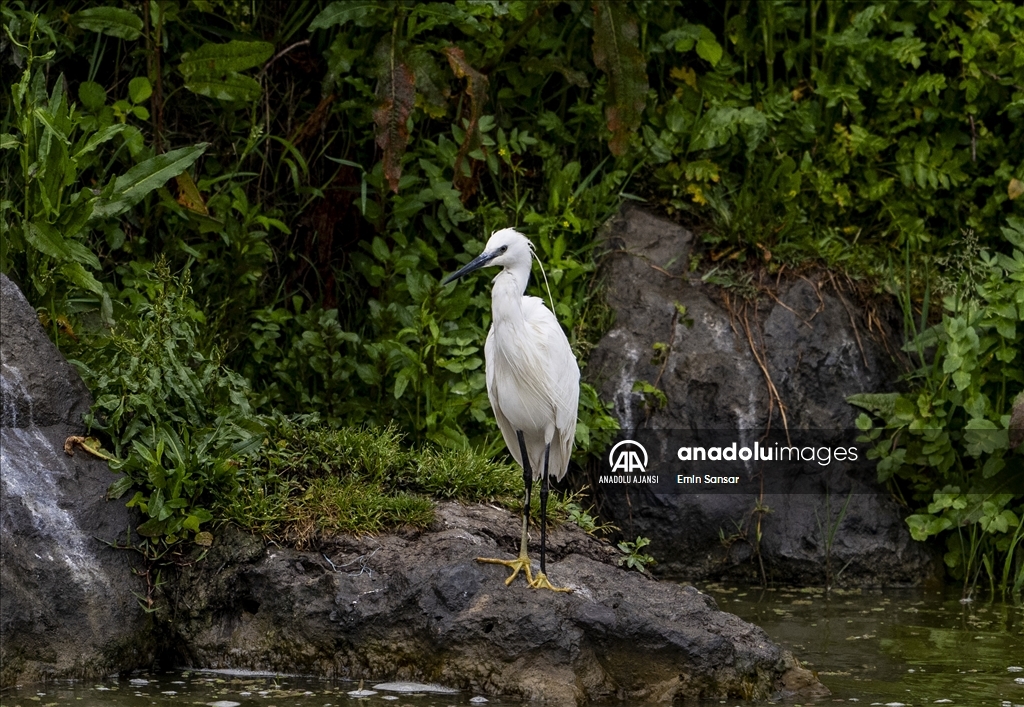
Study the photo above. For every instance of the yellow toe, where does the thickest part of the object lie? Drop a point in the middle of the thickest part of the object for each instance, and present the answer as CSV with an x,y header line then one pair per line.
x,y
521,563
541,582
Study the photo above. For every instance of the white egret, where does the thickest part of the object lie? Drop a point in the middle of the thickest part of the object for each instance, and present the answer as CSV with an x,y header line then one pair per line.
x,y
533,383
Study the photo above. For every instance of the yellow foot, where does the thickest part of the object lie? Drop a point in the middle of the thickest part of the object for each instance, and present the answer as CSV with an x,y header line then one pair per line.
x,y
541,582
520,563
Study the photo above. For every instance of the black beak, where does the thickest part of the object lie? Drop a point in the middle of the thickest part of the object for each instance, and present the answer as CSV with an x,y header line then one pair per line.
x,y
476,263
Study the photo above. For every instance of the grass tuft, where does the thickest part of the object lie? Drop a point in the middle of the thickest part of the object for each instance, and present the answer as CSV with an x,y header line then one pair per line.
x,y
311,481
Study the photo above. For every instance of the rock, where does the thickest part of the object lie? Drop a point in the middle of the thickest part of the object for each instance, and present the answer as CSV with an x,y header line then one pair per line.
x,y
66,609
1016,425
814,343
419,608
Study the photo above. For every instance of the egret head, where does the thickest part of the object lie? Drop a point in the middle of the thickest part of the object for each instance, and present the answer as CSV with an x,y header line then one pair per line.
x,y
507,247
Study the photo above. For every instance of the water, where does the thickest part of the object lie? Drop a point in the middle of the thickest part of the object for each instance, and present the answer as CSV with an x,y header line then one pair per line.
x,y
232,689
913,647
886,647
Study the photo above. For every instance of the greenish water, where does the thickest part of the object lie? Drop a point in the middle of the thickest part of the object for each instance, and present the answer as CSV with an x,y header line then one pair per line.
x,y
913,647
220,689
905,647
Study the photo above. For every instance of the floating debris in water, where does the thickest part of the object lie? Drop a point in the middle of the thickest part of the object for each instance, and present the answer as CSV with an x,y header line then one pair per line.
x,y
943,701
478,700
238,673
1015,669
409,687
224,703
389,697
362,693
138,681
1019,681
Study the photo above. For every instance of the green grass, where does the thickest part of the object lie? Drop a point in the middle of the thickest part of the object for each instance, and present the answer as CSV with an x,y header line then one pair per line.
x,y
311,481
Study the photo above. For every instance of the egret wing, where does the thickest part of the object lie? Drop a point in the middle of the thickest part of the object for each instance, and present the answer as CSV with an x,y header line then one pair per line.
x,y
508,430
563,380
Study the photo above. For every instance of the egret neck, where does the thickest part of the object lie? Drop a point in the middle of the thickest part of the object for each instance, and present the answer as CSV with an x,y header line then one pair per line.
x,y
507,295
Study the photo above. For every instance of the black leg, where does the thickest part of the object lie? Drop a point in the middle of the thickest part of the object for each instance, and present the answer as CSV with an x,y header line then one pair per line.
x,y
544,510
527,485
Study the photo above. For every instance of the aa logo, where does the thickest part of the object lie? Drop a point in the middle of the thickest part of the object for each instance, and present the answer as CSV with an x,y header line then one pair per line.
x,y
625,457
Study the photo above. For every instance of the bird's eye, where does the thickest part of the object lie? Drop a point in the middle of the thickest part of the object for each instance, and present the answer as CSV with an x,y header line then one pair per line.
x,y
503,248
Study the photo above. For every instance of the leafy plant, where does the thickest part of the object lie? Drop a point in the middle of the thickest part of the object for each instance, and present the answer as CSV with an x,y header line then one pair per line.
x,y
179,420
633,555
585,520
322,191
46,234
952,429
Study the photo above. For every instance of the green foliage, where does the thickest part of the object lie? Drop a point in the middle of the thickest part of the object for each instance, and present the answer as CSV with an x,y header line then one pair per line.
x,y
317,193
826,126
179,420
634,557
312,480
947,440
214,70
46,234
585,520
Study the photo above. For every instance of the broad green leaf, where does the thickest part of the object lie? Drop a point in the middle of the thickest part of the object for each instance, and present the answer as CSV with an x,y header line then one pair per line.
x,y
992,467
156,505
133,185
110,20
709,49
230,87
97,139
214,59
119,487
347,11
152,528
904,409
134,140
1015,233
80,276
961,379
952,363
47,240
9,142
139,89
51,123
676,118
92,95
401,383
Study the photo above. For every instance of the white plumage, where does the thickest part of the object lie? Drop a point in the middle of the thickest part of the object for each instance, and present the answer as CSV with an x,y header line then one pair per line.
x,y
533,381
532,376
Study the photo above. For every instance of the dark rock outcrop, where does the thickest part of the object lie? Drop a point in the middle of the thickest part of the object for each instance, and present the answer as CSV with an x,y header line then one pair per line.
x,y
66,605
415,606
812,340
421,608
